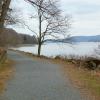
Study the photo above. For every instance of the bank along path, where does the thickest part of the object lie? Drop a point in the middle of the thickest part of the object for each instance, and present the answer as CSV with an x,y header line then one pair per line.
x,y
38,80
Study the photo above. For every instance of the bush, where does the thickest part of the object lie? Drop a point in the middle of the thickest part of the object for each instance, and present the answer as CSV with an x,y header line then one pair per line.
x,y
92,63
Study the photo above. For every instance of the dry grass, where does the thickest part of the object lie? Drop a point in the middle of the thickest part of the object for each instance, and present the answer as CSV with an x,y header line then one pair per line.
x,y
6,71
86,81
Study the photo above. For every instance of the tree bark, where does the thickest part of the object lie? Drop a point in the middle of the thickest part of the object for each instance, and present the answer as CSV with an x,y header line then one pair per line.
x,y
39,41
4,10
39,49
1,1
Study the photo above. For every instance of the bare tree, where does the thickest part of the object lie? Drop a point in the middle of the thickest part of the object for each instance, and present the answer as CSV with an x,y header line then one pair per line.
x,y
49,13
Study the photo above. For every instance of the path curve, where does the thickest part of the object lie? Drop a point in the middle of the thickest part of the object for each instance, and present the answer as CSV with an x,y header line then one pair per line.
x,y
37,80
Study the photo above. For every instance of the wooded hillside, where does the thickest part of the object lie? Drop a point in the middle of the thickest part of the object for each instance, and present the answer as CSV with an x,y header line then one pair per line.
x,y
9,37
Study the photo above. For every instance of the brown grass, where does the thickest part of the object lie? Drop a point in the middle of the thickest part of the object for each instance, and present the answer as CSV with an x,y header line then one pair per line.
x,y
85,80
6,70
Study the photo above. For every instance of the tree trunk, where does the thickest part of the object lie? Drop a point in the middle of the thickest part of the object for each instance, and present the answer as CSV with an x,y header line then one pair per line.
x,y
39,40
1,1
39,49
4,10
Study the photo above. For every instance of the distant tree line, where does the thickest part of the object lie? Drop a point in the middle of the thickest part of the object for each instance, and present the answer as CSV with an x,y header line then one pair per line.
x,y
9,37
27,39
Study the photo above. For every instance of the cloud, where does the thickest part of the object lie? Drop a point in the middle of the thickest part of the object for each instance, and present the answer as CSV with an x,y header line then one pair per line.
x,y
78,2
80,7
85,15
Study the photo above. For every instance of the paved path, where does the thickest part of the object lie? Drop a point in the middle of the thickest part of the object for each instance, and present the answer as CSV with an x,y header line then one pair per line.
x,y
37,80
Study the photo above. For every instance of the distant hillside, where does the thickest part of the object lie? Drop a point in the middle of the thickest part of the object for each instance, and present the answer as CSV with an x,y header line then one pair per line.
x,y
77,39
11,37
85,38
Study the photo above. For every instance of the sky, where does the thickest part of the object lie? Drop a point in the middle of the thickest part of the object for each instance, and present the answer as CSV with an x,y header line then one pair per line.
x,y
85,16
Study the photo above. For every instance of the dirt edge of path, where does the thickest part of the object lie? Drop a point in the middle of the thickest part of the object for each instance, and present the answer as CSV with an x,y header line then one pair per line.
x,y
6,71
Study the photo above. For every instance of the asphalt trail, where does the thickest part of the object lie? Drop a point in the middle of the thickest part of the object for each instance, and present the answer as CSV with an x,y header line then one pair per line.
x,y
38,80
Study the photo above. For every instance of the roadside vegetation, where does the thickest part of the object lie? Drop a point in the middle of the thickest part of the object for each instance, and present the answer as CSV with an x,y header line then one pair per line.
x,y
6,69
87,80
84,72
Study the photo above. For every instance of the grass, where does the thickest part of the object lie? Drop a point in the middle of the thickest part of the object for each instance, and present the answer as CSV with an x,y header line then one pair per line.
x,y
87,81
6,70
92,82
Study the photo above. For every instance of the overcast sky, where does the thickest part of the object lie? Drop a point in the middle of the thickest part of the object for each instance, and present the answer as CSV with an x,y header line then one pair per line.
x,y
85,15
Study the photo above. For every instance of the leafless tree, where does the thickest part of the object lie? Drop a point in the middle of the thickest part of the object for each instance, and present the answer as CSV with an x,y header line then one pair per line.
x,y
49,13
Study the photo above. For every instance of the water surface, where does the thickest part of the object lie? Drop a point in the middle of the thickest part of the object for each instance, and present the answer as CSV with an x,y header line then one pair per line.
x,y
63,49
